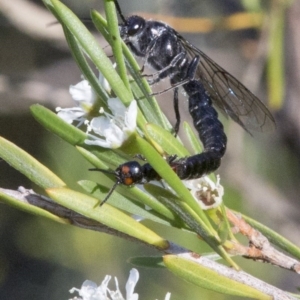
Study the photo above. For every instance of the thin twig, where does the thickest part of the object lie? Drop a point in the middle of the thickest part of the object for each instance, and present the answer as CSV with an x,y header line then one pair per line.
x,y
259,246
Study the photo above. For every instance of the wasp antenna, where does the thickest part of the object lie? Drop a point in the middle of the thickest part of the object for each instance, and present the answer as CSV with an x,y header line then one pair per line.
x,y
120,12
110,192
103,171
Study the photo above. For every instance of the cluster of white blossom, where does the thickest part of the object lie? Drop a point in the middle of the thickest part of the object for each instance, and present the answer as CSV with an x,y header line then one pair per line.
x,y
90,291
207,193
109,130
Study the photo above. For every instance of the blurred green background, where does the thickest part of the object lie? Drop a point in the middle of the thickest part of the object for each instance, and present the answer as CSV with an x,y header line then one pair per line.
x,y
40,259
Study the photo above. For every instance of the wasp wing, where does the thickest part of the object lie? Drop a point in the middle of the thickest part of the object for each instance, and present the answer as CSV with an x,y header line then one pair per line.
x,y
229,95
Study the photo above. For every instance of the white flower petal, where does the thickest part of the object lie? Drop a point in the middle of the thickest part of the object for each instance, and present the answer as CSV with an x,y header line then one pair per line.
x,y
104,83
168,296
100,124
116,295
117,107
130,116
103,287
98,142
70,115
88,290
85,97
131,283
207,193
114,130
82,91
115,136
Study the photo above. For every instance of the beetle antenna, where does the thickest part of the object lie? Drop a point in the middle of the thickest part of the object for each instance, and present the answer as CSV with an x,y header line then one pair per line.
x,y
120,12
110,192
112,188
103,171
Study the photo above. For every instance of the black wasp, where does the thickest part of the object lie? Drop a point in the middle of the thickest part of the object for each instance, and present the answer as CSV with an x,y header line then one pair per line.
x,y
205,83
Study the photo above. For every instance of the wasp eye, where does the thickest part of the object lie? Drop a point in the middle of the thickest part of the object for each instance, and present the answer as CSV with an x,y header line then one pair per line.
x,y
135,24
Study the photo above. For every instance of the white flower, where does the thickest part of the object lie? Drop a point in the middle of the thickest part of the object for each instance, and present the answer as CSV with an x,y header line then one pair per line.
x,y
207,193
90,291
116,128
85,97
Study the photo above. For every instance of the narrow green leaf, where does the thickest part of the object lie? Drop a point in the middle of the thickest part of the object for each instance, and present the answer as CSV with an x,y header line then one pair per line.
x,y
275,63
181,209
225,231
166,140
55,124
47,3
209,279
95,159
9,199
100,24
150,109
86,71
147,261
122,202
27,165
115,40
194,140
106,215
